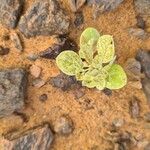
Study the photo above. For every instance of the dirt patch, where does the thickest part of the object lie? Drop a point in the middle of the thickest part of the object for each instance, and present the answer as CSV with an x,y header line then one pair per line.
x,y
91,126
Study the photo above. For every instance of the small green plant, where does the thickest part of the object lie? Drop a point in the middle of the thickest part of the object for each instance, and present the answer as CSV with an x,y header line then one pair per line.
x,y
94,65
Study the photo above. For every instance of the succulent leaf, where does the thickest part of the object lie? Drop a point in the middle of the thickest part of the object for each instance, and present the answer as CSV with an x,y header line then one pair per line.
x,y
105,48
69,62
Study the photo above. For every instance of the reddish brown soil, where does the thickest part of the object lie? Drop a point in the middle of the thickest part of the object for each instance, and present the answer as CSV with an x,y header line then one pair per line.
x,y
91,126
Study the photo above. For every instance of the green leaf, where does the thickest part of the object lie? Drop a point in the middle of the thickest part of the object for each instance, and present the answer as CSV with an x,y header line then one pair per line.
x,y
88,41
116,77
69,62
105,48
97,62
86,52
94,78
100,85
89,36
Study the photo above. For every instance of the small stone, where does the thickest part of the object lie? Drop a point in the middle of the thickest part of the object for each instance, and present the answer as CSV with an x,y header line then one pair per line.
x,y
32,57
79,19
78,93
44,18
35,71
134,108
140,22
76,4
107,92
38,82
13,85
3,51
118,122
144,58
142,7
147,117
17,41
43,97
38,138
64,43
10,11
62,81
101,6
64,125
133,69
147,147
138,33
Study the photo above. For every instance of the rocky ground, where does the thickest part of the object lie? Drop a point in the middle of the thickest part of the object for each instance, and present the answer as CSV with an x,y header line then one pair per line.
x,y
43,109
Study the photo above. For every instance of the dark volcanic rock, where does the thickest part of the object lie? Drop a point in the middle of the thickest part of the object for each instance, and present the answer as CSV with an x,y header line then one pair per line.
x,y
10,11
12,90
44,18
64,43
62,81
39,138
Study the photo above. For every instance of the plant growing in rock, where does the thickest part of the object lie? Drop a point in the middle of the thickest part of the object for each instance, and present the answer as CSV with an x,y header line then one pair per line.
x,y
94,65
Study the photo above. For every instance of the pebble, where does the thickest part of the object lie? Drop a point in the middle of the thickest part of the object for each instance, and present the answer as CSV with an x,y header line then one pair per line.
x,y
79,20
4,51
38,82
32,57
138,33
140,22
134,108
63,43
107,92
17,41
133,69
64,125
43,97
78,93
143,56
35,71
62,81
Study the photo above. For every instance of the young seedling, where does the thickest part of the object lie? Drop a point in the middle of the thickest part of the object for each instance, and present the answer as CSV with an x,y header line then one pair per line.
x,y
94,65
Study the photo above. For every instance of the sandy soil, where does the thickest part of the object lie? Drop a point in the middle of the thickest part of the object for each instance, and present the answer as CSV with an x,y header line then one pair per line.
x,y
91,126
